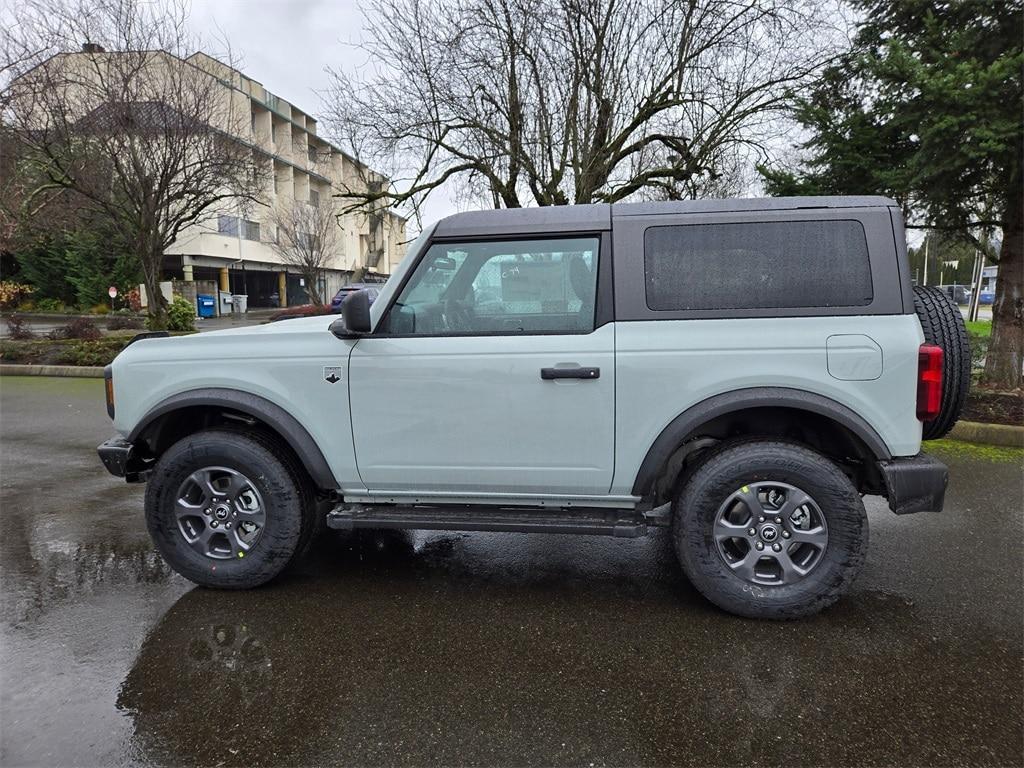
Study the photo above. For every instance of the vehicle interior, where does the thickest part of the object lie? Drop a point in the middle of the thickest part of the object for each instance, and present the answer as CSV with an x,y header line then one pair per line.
x,y
500,287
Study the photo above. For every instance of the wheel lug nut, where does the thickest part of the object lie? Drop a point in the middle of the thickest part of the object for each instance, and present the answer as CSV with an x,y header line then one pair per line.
x,y
752,531
777,547
759,545
213,524
785,534
760,519
778,520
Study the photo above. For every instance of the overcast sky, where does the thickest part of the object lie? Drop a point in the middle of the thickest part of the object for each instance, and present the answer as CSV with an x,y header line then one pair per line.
x,y
287,44
284,44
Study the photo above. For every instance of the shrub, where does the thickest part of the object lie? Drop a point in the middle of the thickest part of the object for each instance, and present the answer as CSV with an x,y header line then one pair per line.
x,y
21,351
181,315
49,305
95,352
100,309
17,329
13,294
134,299
79,328
124,321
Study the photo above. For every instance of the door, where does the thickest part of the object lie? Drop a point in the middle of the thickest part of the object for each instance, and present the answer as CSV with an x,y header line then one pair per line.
x,y
488,376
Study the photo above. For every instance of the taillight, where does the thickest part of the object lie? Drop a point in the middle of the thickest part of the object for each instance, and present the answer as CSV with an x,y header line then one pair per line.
x,y
929,382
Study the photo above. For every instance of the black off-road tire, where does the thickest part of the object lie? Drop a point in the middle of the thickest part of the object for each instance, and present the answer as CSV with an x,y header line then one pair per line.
x,y
943,326
288,499
738,465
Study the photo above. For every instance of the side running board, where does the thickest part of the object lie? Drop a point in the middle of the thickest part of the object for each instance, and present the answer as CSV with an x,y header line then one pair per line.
x,y
589,521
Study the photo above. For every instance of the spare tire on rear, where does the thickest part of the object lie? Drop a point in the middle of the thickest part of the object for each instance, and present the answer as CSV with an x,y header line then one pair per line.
x,y
943,326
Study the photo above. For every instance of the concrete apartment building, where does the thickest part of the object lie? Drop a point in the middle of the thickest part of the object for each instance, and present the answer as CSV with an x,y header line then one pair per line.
x,y
231,251
234,248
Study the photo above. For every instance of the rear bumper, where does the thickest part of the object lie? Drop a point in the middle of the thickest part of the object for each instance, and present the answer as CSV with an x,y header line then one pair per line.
x,y
117,456
915,483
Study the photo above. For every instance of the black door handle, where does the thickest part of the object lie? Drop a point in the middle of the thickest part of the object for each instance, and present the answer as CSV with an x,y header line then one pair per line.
x,y
570,373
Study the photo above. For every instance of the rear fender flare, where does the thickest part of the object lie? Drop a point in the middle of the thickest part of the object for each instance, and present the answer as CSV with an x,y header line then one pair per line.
x,y
683,425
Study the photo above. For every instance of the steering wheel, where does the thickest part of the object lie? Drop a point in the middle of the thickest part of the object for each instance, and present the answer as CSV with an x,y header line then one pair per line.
x,y
456,316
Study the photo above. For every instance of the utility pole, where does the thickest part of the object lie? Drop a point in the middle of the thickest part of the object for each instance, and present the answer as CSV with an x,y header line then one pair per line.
x,y
925,259
979,268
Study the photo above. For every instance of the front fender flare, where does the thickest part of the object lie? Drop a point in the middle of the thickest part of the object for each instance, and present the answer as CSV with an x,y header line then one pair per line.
x,y
271,414
681,426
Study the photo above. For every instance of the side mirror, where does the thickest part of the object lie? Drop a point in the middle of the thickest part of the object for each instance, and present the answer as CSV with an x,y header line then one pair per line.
x,y
355,316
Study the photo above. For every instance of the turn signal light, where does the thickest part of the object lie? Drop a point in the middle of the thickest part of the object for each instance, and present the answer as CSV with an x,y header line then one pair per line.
x,y
109,387
929,382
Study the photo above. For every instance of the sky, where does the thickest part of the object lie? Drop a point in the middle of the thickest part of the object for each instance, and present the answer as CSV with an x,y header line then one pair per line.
x,y
286,45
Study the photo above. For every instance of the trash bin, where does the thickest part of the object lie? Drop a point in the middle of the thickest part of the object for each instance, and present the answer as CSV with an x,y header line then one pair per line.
x,y
241,301
207,306
225,303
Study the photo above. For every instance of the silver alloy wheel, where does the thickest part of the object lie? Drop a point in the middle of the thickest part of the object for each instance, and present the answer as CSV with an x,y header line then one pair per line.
x,y
220,513
770,533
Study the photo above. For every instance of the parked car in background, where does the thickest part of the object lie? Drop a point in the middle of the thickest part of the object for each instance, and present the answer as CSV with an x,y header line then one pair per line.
x,y
348,290
958,293
987,297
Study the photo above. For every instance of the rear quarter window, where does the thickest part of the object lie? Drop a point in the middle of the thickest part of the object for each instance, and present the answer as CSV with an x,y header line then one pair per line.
x,y
757,265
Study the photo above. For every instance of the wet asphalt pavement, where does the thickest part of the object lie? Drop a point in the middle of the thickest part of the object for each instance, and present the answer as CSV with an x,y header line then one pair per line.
x,y
486,649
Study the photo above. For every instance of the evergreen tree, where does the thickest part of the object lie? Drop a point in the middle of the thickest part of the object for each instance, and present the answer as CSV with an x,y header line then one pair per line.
x,y
927,107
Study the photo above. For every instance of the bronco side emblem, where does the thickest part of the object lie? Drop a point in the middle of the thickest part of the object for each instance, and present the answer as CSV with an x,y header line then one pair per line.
x,y
332,373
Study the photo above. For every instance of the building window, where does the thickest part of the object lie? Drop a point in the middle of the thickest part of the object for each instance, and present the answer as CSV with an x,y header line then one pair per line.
x,y
251,230
227,225
314,198
311,151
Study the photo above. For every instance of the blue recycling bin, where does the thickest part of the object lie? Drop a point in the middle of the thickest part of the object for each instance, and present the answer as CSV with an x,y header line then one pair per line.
x,y
207,307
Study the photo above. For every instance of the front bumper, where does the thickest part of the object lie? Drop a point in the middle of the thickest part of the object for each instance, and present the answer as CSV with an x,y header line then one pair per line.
x,y
915,483
118,456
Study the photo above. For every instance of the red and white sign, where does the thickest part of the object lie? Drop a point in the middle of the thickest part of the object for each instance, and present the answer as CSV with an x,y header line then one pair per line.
x,y
112,292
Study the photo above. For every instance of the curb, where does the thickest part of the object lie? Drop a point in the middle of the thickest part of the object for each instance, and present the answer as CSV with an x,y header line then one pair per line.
x,y
73,371
988,434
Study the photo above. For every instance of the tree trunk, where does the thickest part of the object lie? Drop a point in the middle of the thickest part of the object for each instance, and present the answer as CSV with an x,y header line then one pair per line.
x,y
312,286
156,305
1005,358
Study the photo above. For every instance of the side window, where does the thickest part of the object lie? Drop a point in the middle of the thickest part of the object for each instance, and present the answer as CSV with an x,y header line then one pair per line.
x,y
784,264
515,286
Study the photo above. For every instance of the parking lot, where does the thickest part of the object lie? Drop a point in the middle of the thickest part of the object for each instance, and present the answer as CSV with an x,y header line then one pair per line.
x,y
487,649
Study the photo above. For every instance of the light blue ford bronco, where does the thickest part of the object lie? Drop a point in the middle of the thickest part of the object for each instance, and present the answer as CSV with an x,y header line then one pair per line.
x,y
739,371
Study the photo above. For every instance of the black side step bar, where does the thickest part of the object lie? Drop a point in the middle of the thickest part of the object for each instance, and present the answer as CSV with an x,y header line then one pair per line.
x,y
590,521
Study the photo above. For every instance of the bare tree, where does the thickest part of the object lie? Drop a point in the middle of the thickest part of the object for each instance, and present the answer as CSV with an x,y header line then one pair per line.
x,y
571,101
306,239
106,104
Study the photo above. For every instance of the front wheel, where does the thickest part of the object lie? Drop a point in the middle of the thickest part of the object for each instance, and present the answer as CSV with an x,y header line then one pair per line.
x,y
767,529
228,509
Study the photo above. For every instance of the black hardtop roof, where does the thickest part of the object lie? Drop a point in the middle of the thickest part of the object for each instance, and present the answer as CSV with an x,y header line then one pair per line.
x,y
579,218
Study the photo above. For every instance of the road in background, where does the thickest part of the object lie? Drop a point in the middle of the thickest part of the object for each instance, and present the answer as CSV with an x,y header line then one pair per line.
x,y
486,649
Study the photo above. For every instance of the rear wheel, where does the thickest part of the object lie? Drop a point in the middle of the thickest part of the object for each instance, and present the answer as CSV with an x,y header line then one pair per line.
x,y
228,509
770,530
943,326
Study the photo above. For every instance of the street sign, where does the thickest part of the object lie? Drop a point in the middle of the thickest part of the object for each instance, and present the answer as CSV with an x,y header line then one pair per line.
x,y
112,292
